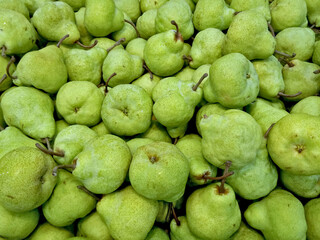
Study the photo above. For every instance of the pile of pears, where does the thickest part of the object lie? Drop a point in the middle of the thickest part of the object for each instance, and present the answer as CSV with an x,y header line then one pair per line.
x,y
160,119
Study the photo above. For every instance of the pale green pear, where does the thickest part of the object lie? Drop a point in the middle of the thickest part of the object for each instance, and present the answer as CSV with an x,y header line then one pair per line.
x,y
103,163
206,47
177,132
71,141
245,232
157,233
60,125
18,102
79,102
138,214
181,232
190,145
6,80
212,14
33,5
75,4
248,34
146,5
67,203
288,13
44,69
85,65
136,46
219,210
271,82
17,225
156,132
93,227
102,17
186,74
100,129
146,23
50,232
146,82
85,36
297,40
279,216
261,6
135,143
313,12
127,110
233,82
292,144
15,5
22,191
126,66
160,165
54,20
312,209
15,24
304,186
127,32
230,136
316,53
106,43
309,105
131,8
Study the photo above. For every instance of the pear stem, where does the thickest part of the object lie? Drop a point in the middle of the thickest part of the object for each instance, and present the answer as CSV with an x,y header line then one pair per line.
x,y
225,174
178,35
236,13
85,46
281,94
108,80
206,177
148,69
188,58
175,215
117,43
175,141
316,71
284,54
134,26
290,64
268,131
3,51
271,30
205,116
83,188
56,168
62,39
12,60
195,87
3,78
49,151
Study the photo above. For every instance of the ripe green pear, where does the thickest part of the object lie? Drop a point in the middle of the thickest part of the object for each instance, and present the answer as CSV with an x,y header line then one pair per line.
x,y
186,74
6,81
313,12
131,8
85,36
75,4
146,5
181,232
146,82
135,143
157,233
261,6
309,105
146,23
136,46
15,5
50,232
245,232
127,32
312,209
156,132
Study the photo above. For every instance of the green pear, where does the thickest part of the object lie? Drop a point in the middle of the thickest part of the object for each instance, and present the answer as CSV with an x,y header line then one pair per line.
x,y
6,81
146,82
309,105
75,4
54,20
248,34
312,209
17,225
177,132
2,122
126,110
128,31
292,144
156,132
85,36
178,10
71,141
100,129
206,47
186,74
15,5
135,143
102,17
199,72
162,166
103,164
85,65
126,66
301,185
157,233
60,125
288,13
33,5
298,40
146,5
212,14
44,69
22,191
233,82
261,6
146,23
106,43
279,216
271,82
18,102
138,214
15,24
245,232
316,53
200,169
131,8
93,227
230,136
313,12
136,46
67,202
219,210
79,102
50,232
181,232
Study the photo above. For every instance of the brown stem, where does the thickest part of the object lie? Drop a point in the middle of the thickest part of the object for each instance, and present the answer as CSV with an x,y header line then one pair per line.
x,y
148,69
268,131
12,60
83,188
236,13
85,46
134,26
225,173
56,168
175,141
316,71
117,43
195,87
175,215
271,29
281,94
3,78
49,151
187,58
3,51
178,35
108,80
284,54
206,177
312,26
290,64
62,39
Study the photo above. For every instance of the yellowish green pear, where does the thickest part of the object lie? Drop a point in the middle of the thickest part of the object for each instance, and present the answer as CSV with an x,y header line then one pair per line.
x,y
312,210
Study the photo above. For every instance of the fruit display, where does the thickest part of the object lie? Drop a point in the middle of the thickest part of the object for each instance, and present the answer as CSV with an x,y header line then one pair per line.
x,y
159,120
